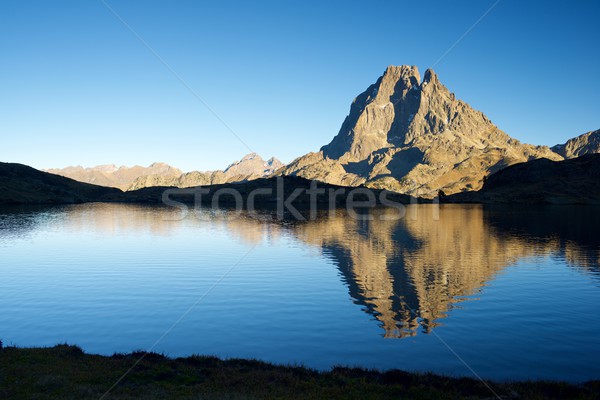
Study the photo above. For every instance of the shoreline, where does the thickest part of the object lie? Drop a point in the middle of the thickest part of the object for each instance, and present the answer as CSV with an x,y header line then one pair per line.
x,y
66,371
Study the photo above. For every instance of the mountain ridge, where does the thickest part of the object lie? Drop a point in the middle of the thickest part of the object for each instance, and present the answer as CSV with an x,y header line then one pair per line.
x,y
587,143
251,166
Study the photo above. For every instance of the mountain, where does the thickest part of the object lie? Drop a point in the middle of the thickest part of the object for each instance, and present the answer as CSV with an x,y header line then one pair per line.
x,y
588,143
20,184
252,166
572,181
113,176
414,136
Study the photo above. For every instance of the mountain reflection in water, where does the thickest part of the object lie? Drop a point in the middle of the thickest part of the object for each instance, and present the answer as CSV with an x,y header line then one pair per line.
x,y
408,273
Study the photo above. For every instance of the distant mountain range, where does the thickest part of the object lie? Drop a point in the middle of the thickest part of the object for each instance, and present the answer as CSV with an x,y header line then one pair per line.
x,y
252,166
404,133
113,176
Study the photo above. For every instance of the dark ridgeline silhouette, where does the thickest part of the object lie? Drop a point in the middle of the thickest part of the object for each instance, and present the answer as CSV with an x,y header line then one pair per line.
x,y
572,181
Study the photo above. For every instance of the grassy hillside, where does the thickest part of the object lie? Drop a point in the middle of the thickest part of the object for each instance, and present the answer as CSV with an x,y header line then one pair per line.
x,y
66,372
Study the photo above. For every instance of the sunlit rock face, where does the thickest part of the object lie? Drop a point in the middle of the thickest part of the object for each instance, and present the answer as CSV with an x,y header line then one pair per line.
x,y
414,136
588,143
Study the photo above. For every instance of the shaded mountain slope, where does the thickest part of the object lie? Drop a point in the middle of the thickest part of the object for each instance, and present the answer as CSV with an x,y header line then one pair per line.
x,y
573,181
20,184
264,192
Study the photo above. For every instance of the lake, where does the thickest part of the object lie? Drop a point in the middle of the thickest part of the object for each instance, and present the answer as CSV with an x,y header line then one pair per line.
x,y
503,292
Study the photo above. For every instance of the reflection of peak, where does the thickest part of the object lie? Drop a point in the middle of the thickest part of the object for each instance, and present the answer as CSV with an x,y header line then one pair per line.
x,y
409,274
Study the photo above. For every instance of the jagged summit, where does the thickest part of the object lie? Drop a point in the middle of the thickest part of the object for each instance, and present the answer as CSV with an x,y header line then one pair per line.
x,y
394,111
253,164
250,156
430,76
414,136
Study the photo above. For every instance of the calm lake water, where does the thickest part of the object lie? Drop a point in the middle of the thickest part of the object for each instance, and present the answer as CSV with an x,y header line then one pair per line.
x,y
514,292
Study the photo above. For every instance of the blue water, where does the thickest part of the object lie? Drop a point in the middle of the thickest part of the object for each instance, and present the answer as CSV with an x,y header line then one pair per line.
x,y
505,293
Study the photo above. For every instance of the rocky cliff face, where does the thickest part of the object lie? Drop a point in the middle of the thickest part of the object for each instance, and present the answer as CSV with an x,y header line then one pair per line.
x,y
414,136
588,143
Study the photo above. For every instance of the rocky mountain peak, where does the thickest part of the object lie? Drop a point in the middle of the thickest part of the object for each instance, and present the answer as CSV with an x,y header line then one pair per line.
x,y
588,143
414,136
379,116
273,163
109,168
408,75
430,77
253,165
250,156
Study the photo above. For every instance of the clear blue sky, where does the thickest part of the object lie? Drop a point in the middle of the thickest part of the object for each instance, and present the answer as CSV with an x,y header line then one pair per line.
x,y
77,87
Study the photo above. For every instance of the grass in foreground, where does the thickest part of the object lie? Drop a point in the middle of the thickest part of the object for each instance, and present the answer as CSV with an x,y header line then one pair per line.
x,y
66,372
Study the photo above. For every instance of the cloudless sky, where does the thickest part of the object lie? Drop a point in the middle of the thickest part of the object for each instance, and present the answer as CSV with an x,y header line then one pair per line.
x,y
78,88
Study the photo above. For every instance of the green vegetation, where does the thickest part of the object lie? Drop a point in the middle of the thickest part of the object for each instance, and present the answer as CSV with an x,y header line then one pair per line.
x,y
66,372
